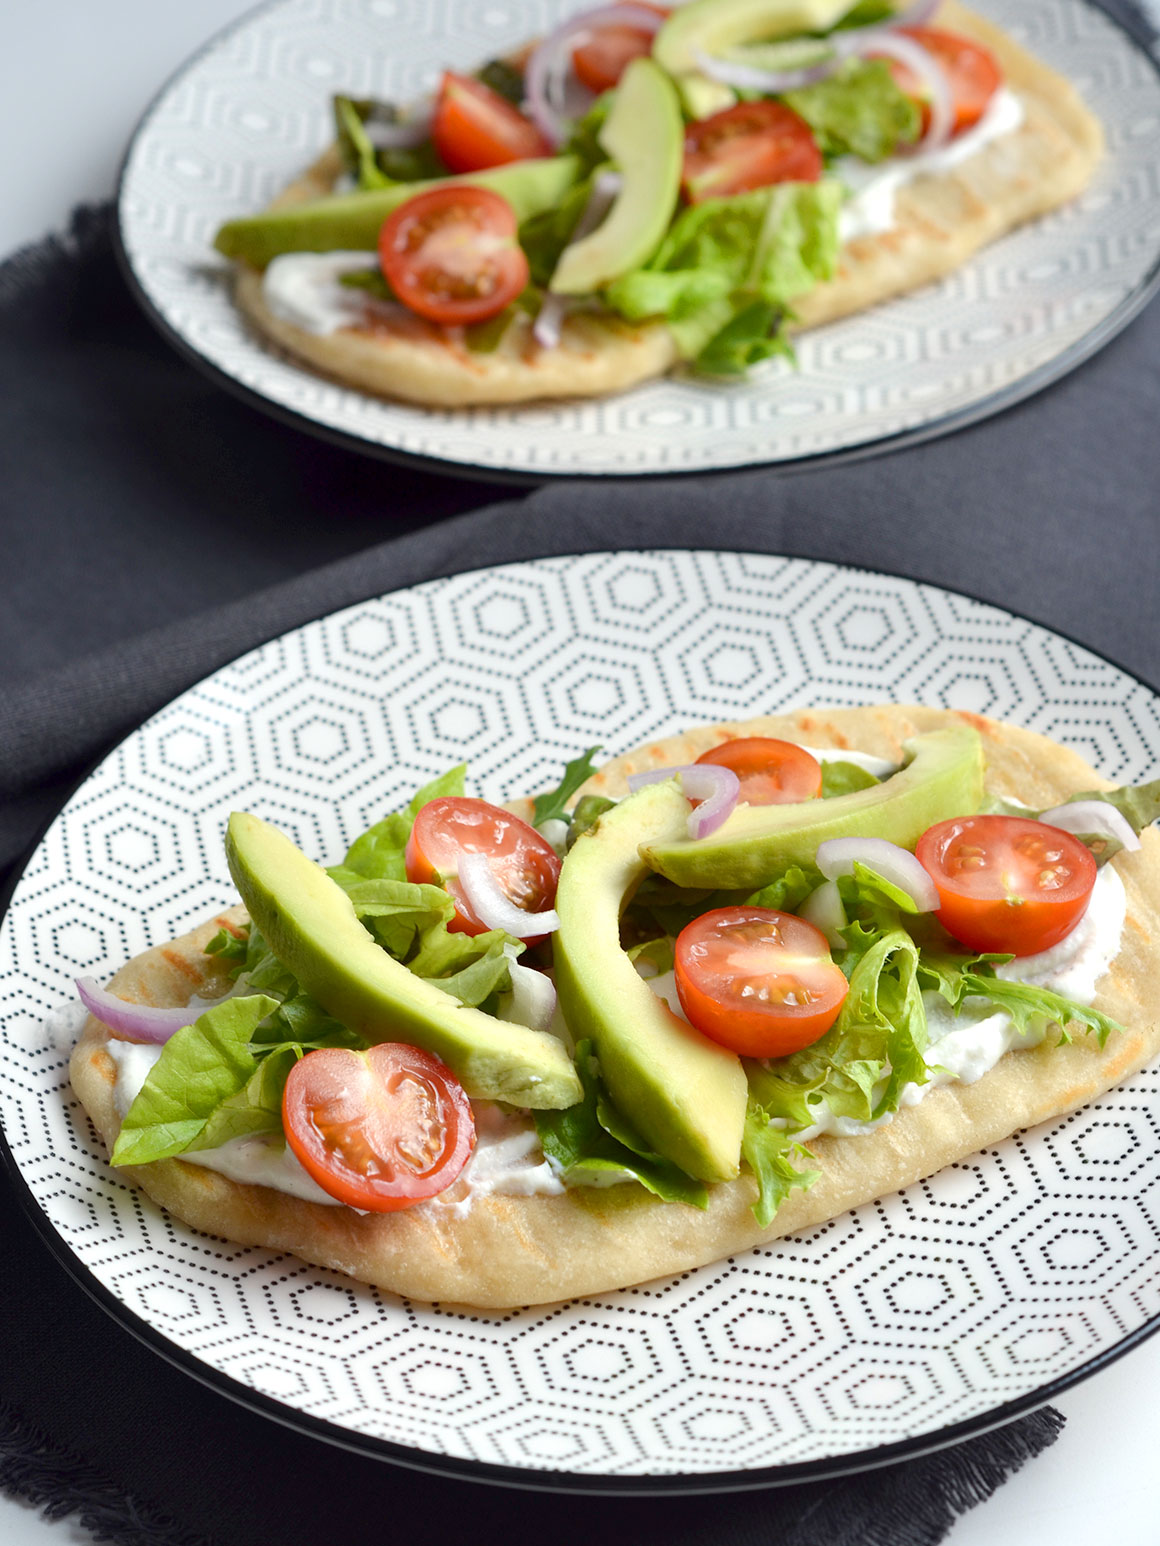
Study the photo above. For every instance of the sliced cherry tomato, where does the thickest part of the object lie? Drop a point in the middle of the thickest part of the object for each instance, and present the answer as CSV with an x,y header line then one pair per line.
x,y
771,772
1007,883
759,982
606,52
525,864
379,1130
452,256
748,146
476,128
972,71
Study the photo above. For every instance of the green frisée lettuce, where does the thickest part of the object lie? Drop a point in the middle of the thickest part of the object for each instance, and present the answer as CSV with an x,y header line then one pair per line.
x,y
770,1155
734,266
552,806
860,111
594,1144
959,978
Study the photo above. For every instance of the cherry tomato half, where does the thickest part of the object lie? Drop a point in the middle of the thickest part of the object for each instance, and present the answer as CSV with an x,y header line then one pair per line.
x,y
1007,883
475,127
525,864
759,982
379,1130
771,772
452,256
748,146
972,71
606,52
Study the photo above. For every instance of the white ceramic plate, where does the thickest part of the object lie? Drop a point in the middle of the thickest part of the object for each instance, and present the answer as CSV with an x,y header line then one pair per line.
x,y
249,112
901,1326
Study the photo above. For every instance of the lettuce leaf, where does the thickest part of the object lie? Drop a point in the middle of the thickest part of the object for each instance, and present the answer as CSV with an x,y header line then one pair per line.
x,y
957,978
874,1048
724,258
592,1141
201,1066
769,1152
860,111
552,805
844,778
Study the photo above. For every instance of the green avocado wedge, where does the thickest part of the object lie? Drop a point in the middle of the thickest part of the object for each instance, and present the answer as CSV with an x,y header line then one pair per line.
x,y
350,222
645,136
685,1094
310,924
713,26
942,777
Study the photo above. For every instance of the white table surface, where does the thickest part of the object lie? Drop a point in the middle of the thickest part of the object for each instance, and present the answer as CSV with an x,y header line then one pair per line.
x,y
105,62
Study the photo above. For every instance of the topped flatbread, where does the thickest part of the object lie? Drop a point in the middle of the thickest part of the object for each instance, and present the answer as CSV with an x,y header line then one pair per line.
x,y
491,1249
1043,157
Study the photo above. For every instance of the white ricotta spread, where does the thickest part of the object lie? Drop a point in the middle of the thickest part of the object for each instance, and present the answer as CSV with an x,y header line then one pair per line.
x,y
965,1047
870,208
879,766
260,1159
305,289
507,1156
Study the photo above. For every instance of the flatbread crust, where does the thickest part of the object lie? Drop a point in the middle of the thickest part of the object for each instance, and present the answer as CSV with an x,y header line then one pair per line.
x,y
510,1251
941,221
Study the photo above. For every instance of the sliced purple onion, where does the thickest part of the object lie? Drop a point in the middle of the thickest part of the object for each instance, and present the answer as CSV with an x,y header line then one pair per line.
x,y
135,1022
551,62
492,906
533,998
715,787
754,77
718,790
869,41
403,134
747,75
838,855
1095,818
823,908
550,320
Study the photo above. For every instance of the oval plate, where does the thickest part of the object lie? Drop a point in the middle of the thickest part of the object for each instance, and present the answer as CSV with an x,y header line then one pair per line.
x,y
246,115
896,1328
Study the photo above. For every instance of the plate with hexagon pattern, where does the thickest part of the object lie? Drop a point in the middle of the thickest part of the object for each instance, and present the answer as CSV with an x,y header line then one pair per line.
x,y
252,109
907,1323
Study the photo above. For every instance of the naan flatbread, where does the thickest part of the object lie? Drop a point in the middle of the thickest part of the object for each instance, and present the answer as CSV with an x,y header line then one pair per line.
x,y
941,221
510,1251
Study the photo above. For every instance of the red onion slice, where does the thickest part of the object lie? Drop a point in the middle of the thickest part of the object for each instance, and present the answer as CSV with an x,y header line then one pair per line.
x,y
550,319
492,906
823,908
715,788
1095,818
753,77
533,998
837,857
135,1022
403,134
870,41
551,62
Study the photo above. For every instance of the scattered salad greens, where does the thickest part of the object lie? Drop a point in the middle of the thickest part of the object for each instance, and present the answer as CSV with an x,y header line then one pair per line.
x,y
222,1077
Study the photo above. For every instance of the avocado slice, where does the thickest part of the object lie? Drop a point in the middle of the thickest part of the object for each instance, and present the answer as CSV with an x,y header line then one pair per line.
x,y
645,136
942,777
311,926
713,26
350,222
685,1094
